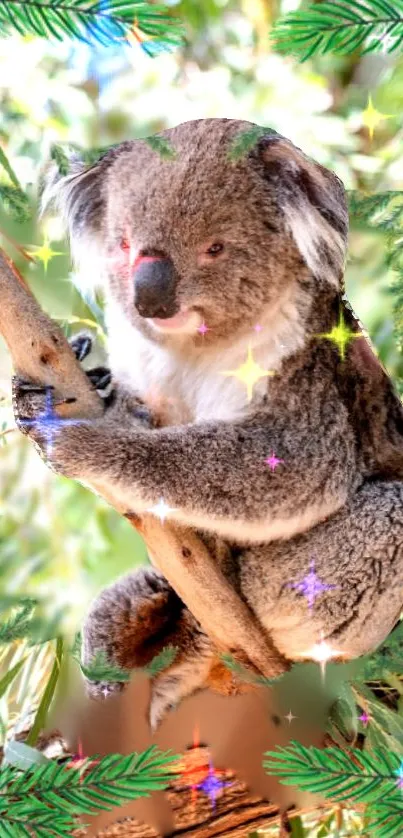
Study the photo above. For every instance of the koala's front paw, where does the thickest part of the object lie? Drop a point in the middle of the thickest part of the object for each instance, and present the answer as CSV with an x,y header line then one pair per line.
x,y
100,377
121,406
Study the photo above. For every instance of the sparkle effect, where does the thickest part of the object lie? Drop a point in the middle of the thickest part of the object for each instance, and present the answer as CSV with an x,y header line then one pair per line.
x,y
212,785
203,329
258,327
44,253
322,653
399,772
311,586
49,422
364,718
290,717
371,117
161,510
341,335
249,373
273,461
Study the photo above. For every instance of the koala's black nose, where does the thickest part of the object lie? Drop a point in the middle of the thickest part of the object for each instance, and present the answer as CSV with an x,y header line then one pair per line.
x,y
154,287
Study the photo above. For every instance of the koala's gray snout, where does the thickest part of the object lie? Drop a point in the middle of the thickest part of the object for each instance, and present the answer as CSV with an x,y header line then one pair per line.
x,y
154,287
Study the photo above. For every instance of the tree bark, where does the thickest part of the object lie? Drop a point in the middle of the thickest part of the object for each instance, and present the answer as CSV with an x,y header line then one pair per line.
x,y
40,352
235,813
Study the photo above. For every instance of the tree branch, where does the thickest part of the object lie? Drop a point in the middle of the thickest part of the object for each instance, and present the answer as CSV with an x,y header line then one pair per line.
x,y
40,352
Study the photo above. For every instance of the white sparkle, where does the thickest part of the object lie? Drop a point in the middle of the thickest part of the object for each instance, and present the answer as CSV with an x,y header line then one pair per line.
x,y
161,510
290,717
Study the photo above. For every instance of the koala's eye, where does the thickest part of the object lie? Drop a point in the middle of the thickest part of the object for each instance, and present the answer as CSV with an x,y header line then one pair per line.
x,y
125,244
215,249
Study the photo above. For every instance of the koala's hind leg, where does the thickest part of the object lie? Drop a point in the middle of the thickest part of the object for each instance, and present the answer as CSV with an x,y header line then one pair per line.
x,y
132,621
341,581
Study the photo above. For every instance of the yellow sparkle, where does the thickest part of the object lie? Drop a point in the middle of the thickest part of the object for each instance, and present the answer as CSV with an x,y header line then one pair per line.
x,y
340,335
44,253
371,117
249,373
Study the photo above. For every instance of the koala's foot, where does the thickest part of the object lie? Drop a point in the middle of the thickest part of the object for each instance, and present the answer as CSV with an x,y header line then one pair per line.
x,y
131,622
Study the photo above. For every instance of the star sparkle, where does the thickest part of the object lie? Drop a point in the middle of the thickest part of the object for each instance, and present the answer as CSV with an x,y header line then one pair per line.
x,y
399,773
249,373
364,718
49,422
290,717
212,785
322,653
44,253
311,586
203,329
273,461
340,335
161,510
371,118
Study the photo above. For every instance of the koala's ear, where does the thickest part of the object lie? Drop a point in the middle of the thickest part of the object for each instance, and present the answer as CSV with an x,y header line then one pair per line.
x,y
79,200
313,201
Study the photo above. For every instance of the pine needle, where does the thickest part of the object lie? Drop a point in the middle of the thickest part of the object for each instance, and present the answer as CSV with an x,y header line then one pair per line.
x,y
341,26
105,22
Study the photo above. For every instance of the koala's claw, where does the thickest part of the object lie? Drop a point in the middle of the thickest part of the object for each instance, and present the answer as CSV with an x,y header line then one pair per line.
x,y
100,377
81,346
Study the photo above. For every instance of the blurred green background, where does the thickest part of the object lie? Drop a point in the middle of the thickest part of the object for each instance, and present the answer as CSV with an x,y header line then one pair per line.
x,y
57,541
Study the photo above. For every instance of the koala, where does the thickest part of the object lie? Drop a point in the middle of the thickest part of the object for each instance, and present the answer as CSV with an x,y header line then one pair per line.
x,y
231,398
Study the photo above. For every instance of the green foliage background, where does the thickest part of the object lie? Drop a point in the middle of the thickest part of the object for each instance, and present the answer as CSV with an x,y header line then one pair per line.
x,y
58,542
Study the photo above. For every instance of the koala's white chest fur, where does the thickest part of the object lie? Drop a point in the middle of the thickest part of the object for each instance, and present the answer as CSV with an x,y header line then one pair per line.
x,y
189,387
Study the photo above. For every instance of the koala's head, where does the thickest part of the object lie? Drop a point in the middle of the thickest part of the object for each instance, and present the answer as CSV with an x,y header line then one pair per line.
x,y
187,230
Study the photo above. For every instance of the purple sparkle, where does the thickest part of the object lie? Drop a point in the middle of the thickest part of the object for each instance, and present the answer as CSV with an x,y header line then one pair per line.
x,y
48,422
212,785
273,461
364,718
399,772
311,586
258,327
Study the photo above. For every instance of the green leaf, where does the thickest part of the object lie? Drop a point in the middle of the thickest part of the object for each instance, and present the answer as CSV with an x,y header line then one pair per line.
x,y
335,774
20,755
161,145
340,27
246,140
297,828
20,624
14,199
9,677
42,712
100,669
10,171
61,159
161,661
105,22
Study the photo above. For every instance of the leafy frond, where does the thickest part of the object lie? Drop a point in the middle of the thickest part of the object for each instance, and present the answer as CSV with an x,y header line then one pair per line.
x,y
15,201
19,624
161,661
100,669
53,795
385,213
341,26
161,145
245,141
336,774
105,21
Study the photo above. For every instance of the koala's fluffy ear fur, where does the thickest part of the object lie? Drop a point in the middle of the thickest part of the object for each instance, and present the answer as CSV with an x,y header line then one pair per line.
x,y
313,201
78,197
